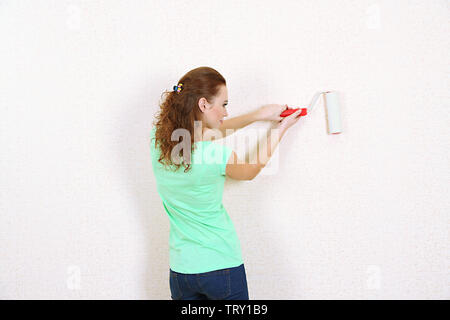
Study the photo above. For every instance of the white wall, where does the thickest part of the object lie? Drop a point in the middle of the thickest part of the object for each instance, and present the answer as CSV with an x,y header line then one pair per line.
x,y
361,215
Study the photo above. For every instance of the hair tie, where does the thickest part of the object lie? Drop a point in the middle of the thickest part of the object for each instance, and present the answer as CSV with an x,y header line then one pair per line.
x,y
178,88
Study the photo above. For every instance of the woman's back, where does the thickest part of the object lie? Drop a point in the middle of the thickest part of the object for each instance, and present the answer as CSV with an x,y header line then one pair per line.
x,y
202,235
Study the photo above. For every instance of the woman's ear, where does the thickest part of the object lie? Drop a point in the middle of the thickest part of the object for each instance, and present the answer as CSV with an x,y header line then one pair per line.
x,y
202,104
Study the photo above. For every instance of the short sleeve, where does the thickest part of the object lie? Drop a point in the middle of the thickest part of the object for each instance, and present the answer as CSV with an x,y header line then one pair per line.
x,y
226,152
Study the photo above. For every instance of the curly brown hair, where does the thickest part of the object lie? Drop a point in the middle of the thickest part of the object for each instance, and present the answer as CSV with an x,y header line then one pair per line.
x,y
180,110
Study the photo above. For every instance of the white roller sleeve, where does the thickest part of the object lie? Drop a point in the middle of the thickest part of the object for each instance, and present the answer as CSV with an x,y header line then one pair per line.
x,y
331,99
332,112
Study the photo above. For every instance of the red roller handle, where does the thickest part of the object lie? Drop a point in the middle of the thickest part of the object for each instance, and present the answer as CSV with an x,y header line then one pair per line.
x,y
288,112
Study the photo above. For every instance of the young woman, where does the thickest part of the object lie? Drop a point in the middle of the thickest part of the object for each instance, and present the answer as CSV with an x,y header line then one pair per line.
x,y
205,253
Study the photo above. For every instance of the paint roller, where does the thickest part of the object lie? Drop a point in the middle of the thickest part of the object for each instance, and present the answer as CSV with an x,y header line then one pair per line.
x,y
331,110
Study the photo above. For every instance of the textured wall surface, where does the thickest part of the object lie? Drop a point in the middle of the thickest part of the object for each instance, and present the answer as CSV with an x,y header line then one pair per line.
x,y
360,215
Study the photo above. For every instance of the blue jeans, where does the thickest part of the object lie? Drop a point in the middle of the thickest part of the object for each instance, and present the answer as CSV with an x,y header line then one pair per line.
x,y
223,284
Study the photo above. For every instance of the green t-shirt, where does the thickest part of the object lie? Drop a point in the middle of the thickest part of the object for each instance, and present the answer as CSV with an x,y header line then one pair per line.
x,y
202,236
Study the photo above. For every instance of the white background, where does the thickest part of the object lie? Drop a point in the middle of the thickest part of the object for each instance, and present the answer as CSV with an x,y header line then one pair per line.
x,y
360,215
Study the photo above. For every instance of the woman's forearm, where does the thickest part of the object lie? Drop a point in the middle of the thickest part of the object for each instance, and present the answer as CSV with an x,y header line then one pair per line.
x,y
238,122
267,148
